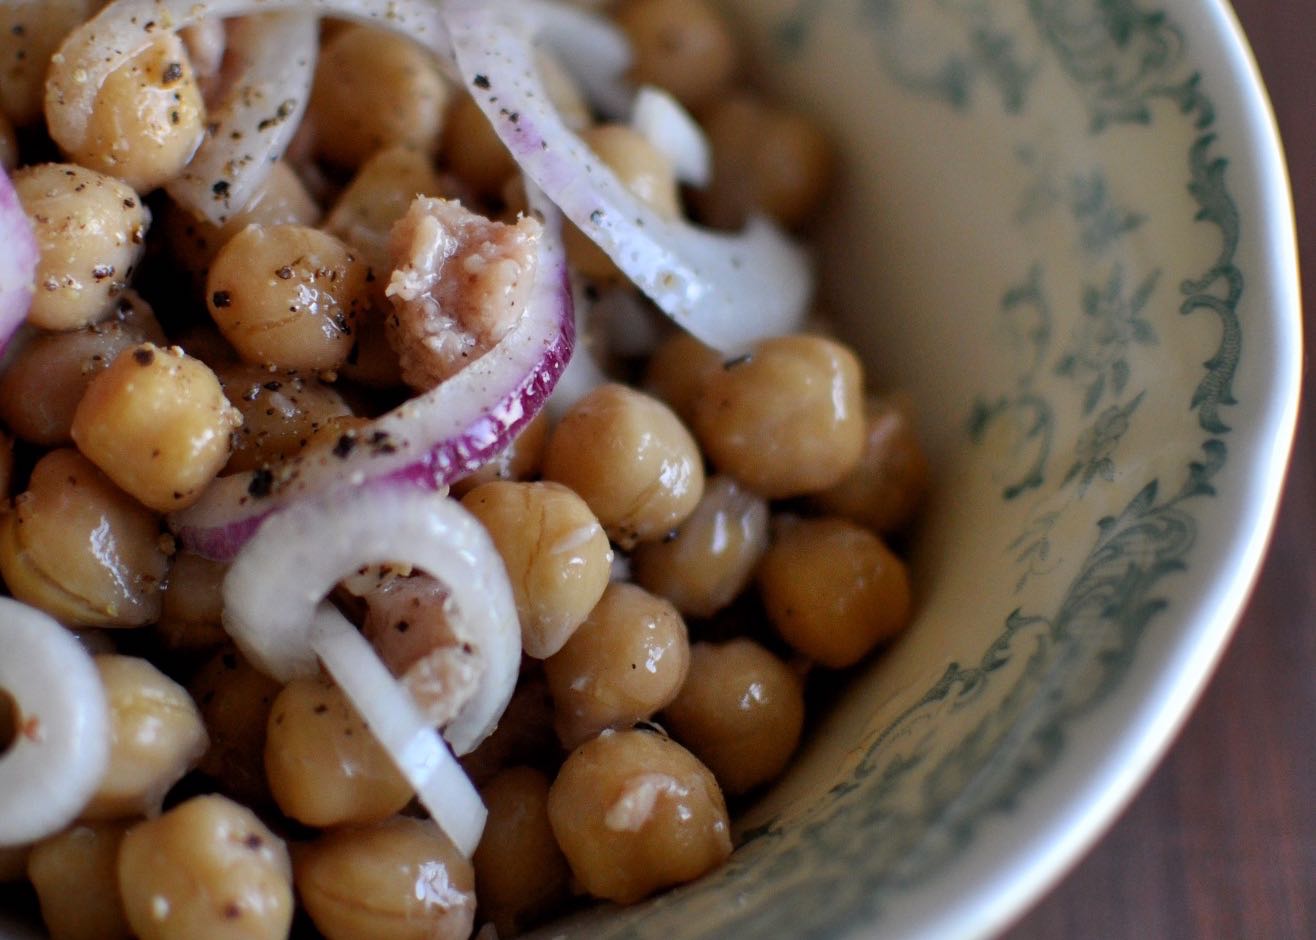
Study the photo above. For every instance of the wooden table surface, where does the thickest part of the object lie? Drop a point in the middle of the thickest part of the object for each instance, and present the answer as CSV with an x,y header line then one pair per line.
x,y
1222,840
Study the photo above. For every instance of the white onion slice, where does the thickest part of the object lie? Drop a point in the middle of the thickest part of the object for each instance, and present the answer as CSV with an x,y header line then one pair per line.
x,y
392,717
18,261
124,28
666,124
277,581
432,439
592,48
727,290
62,748
274,58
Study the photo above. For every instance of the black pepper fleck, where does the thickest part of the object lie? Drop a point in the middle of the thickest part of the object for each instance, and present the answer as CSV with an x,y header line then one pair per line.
x,y
143,356
481,81
262,482
172,73
221,298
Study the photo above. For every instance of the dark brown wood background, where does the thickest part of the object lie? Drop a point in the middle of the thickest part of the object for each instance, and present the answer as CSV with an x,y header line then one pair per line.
x,y
1222,840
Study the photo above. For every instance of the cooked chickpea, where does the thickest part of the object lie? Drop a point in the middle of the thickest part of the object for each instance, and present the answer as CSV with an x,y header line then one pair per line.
x,y
787,419
323,765
75,874
711,556
206,870
148,118
740,711
288,296
8,145
626,662
235,700
374,89
380,194
473,150
192,609
557,556
683,46
524,734
765,159
80,548
157,423
29,34
156,736
635,812
90,230
13,858
518,461
401,879
280,411
631,459
833,590
887,488
520,873
677,371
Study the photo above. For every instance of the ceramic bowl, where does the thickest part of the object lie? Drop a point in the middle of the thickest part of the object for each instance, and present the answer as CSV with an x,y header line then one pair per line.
x,y
1064,227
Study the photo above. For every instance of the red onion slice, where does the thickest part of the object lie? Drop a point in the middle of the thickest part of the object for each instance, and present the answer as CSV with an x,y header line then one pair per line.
x,y
727,290
278,580
592,48
61,750
255,120
427,442
667,125
18,262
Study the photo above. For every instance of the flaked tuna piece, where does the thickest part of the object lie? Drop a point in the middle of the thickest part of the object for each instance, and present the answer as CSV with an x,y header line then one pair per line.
x,y
460,281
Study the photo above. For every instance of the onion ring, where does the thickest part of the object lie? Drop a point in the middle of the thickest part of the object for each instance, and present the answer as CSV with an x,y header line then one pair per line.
x,y
18,262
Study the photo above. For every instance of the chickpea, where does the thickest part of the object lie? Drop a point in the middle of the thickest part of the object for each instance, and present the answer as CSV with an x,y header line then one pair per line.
x,y
13,858
156,736
206,870
374,89
833,590
630,458
524,734
288,296
192,609
677,371
710,558
235,700
786,420
401,879
519,460
280,411
558,558
625,663
8,145
148,118
90,231
520,873
29,34
740,711
323,765
887,488
473,150
80,549
635,812
683,46
765,159
157,423
75,874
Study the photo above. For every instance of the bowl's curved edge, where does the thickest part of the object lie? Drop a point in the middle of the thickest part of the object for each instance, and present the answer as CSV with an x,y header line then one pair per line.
x,y
1083,795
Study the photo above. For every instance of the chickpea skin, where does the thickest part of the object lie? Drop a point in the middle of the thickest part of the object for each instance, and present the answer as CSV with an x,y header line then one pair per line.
x,y
557,556
30,33
158,424
635,812
683,46
630,458
288,296
677,371
833,589
192,610
740,711
53,547
75,874
235,700
148,118
206,870
91,231
401,879
787,420
627,661
520,873
323,765
374,89
281,413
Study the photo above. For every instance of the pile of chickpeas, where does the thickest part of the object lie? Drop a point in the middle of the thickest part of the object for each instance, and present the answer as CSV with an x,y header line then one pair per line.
x,y
689,546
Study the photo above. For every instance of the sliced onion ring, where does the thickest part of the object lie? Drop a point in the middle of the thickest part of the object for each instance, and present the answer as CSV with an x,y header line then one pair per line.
x,y
592,48
18,261
257,116
60,753
667,125
429,441
727,290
